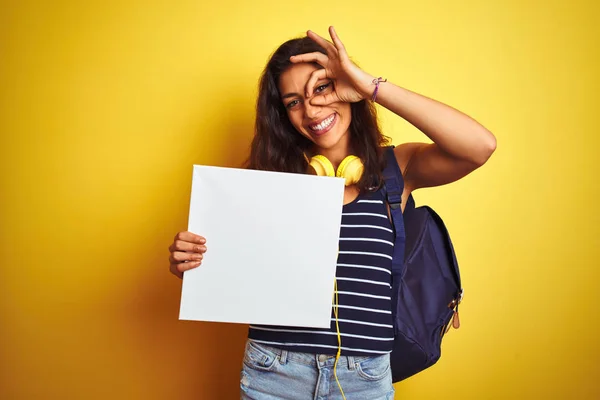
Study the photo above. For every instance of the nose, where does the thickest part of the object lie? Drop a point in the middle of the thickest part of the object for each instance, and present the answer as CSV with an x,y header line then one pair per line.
x,y
310,110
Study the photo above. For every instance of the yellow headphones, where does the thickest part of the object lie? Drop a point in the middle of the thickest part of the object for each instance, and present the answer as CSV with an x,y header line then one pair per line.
x,y
351,168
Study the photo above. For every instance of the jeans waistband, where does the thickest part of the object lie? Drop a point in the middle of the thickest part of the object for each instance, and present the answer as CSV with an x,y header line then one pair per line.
x,y
316,360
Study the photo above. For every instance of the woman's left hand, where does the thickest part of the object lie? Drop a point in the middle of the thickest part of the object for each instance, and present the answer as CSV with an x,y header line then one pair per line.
x,y
351,84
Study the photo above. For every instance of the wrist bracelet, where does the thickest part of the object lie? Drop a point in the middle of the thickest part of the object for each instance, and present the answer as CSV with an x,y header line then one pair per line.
x,y
376,82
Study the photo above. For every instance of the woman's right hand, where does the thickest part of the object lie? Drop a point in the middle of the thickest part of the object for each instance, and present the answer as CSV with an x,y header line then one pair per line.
x,y
187,251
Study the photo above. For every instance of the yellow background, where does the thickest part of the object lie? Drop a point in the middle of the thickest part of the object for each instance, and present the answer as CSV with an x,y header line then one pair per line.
x,y
105,106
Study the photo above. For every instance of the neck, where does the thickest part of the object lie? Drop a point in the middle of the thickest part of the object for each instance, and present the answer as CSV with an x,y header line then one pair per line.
x,y
336,153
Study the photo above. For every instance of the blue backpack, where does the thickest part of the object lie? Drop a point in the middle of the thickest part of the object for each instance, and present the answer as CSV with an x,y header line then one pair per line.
x,y
425,279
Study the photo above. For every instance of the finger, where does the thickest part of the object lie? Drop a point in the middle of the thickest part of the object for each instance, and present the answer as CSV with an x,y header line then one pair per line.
x,y
190,237
180,245
324,43
180,256
316,76
317,57
187,266
325,100
337,42
179,269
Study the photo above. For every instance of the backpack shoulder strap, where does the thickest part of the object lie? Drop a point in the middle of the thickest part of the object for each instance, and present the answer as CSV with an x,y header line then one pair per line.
x,y
393,185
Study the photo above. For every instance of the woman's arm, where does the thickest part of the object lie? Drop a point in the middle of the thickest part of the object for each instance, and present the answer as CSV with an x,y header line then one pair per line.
x,y
460,144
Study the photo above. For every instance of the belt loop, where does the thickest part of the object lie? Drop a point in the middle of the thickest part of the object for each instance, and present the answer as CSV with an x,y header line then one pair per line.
x,y
351,363
283,357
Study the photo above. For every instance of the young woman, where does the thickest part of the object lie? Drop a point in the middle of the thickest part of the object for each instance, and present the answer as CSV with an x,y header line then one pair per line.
x,y
313,100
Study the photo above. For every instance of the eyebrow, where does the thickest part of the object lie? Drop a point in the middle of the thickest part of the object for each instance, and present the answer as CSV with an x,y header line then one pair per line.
x,y
285,96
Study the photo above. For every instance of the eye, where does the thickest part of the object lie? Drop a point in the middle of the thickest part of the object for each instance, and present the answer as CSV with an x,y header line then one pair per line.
x,y
291,104
322,88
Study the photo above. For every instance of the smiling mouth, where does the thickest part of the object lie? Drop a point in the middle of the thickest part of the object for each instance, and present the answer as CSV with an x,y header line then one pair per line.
x,y
323,126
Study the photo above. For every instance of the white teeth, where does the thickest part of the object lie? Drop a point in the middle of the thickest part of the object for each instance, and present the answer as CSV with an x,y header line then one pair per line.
x,y
324,124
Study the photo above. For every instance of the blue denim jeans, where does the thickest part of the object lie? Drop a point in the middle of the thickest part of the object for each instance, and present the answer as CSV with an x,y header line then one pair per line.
x,y
273,374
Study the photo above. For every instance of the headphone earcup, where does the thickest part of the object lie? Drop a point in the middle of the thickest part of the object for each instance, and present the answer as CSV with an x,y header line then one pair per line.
x,y
351,168
321,165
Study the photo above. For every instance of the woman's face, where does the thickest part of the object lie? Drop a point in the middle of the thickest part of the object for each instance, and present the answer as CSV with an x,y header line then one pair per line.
x,y
326,126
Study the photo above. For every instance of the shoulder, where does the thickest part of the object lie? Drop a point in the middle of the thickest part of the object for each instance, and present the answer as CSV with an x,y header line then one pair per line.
x,y
404,154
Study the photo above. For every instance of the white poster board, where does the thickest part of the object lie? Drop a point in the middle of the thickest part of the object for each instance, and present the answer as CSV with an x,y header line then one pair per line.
x,y
272,246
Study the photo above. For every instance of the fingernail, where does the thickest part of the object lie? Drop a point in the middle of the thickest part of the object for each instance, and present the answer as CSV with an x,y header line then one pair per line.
x,y
198,256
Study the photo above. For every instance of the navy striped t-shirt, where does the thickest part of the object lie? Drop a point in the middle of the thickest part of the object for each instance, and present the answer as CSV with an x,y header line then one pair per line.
x,y
363,277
